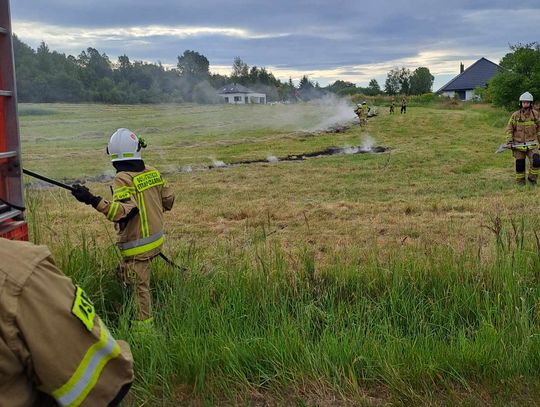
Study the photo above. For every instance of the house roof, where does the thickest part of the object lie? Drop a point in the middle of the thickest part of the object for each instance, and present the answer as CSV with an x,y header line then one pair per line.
x,y
476,75
235,88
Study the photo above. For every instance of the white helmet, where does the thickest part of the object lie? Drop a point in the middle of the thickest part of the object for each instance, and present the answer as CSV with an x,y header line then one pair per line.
x,y
124,145
526,97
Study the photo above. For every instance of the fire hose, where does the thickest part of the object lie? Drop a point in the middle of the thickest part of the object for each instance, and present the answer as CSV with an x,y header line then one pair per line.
x,y
70,188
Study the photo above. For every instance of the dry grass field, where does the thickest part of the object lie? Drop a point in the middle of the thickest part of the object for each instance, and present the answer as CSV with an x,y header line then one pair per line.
x,y
408,277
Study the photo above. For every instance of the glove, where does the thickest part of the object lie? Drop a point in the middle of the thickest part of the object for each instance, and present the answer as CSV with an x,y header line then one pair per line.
x,y
83,194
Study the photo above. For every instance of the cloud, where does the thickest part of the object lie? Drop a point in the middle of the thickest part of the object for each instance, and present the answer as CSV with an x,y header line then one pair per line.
x,y
326,39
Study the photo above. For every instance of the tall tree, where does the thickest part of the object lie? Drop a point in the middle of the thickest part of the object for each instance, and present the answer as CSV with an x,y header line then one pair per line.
x,y
520,73
392,84
373,88
404,81
240,71
421,81
193,66
398,81
305,84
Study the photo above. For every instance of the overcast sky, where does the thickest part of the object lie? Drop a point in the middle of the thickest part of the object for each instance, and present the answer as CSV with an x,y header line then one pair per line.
x,y
325,39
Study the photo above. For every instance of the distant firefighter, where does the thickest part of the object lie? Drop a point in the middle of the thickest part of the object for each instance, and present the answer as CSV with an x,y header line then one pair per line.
x,y
362,111
392,105
523,133
403,106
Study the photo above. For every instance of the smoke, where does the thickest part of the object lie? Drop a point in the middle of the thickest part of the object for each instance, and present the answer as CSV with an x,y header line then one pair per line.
x,y
204,93
367,143
334,111
350,150
218,164
272,158
366,146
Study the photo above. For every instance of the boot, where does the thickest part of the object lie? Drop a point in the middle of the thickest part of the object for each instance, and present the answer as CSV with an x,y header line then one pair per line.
x,y
521,181
532,181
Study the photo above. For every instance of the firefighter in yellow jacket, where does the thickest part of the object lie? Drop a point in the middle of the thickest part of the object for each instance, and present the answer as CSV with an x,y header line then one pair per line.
x,y
54,349
139,199
362,111
523,138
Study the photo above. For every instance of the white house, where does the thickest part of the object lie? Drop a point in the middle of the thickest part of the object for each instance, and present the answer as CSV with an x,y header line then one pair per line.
x,y
475,76
238,94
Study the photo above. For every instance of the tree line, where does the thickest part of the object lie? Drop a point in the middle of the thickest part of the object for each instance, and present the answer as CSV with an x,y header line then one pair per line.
x,y
45,75
49,76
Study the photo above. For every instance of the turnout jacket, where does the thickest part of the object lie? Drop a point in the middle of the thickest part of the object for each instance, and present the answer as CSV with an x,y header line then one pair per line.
x,y
524,126
54,349
137,206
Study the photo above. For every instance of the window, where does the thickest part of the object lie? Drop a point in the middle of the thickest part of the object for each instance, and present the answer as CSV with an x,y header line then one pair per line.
x,y
238,98
226,99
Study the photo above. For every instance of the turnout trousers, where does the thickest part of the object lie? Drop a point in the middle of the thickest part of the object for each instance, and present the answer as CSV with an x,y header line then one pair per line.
x,y
135,274
534,165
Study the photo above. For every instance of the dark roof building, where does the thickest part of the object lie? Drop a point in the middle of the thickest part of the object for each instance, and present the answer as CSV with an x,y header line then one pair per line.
x,y
234,88
475,76
239,94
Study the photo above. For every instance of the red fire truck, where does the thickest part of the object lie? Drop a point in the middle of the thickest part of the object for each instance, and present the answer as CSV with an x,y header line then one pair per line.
x,y
12,224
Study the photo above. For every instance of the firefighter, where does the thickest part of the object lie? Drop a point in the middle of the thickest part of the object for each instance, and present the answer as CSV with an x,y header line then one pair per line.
x,y
403,106
362,111
367,109
54,349
140,196
358,112
523,135
392,105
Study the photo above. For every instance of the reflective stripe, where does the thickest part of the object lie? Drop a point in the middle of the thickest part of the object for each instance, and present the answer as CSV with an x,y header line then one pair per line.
x,y
525,146
526,123
74,392
123,193
145,230
140,242
113,210
520,175
141,246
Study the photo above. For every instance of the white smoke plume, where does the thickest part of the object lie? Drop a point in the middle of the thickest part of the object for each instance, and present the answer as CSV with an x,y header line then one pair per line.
x,y
334,111
218,164
367,143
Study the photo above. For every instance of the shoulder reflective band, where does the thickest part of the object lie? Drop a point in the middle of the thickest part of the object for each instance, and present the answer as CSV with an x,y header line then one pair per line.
x,y
122,193
147,180
75,391
141,246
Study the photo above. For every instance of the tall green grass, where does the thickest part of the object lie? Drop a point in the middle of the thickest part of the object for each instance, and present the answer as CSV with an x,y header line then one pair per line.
x,y
423,325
